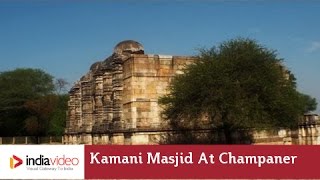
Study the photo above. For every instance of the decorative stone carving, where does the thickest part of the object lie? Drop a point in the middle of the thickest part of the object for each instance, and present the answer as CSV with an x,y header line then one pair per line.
x,y
117,100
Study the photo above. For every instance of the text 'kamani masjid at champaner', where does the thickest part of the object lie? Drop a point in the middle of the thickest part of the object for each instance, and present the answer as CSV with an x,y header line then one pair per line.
x,y
116,102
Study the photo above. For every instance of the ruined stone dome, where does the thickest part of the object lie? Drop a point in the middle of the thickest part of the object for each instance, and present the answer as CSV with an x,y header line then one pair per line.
x,y
95,66
129,46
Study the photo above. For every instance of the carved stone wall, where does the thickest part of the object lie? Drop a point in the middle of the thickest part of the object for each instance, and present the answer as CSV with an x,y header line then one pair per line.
x,y
116,102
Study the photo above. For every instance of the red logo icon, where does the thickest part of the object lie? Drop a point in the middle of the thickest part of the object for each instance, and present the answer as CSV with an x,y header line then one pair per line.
x,y
14,164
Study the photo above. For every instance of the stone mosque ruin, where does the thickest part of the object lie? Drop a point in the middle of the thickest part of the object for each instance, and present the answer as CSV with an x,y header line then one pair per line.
x,y
116,102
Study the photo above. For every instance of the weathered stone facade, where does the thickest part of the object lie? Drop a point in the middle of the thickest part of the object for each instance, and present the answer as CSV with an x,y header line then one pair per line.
x,y
116,102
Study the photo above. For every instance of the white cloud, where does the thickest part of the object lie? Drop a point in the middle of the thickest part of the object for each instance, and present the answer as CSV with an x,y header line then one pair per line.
x,y
314,46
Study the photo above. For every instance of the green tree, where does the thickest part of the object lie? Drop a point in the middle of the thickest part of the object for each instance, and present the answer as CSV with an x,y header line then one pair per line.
x,y
30,104
41,110
16,88
58,118
310,103
235,87
48,115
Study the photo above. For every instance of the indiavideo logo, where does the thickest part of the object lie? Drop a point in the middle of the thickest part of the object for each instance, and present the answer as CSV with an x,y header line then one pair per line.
x,y
15,161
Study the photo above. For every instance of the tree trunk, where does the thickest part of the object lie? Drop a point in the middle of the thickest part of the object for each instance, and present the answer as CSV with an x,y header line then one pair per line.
x,y
227,134
226,128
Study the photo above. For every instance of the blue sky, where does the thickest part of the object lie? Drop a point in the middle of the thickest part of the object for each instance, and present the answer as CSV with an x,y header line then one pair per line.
x,y
65,37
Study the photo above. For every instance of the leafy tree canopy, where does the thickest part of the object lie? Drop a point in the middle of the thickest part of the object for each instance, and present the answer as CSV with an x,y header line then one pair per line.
x,y
239,84
310,104
22,84
28,105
